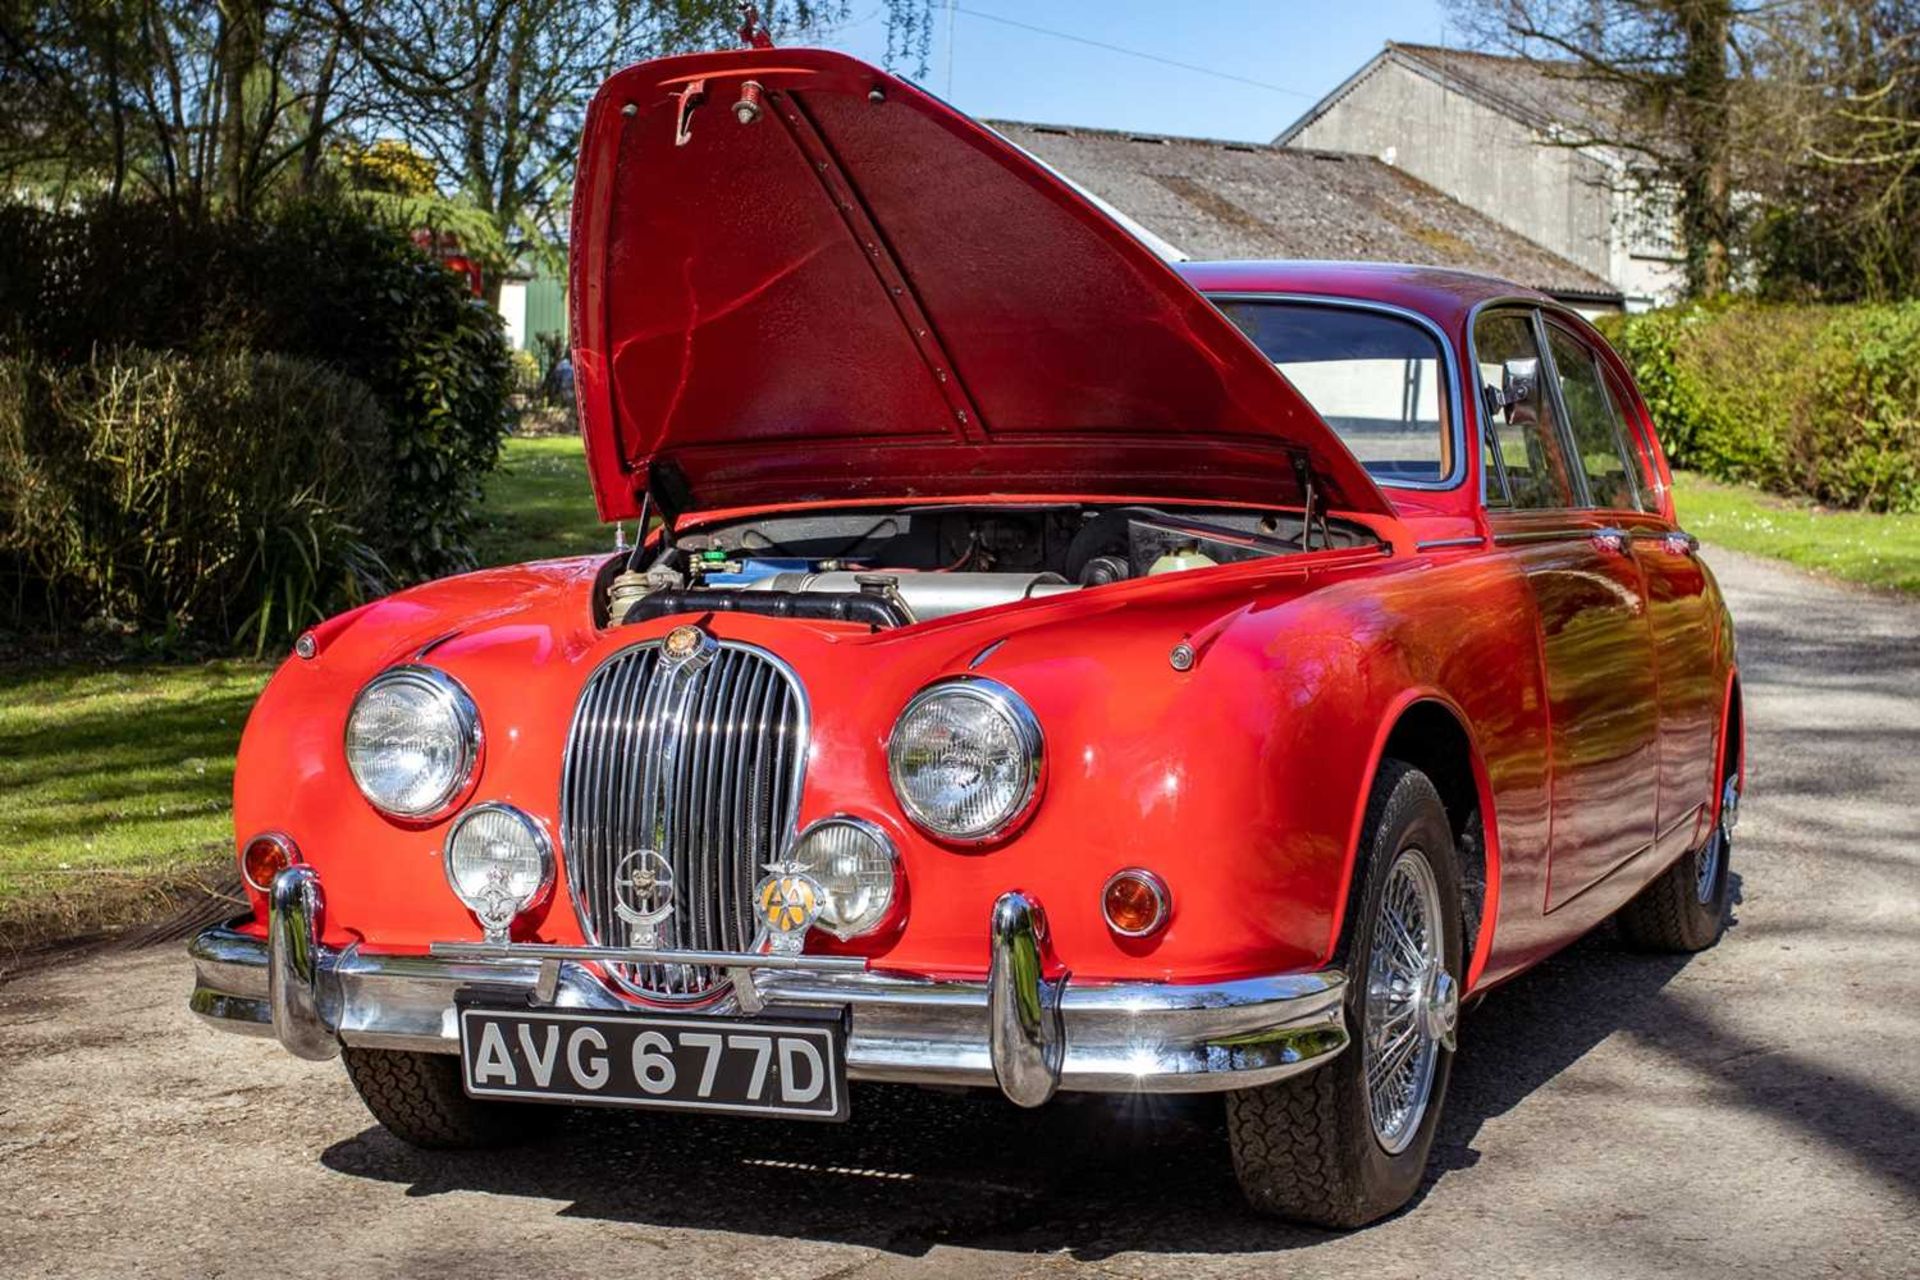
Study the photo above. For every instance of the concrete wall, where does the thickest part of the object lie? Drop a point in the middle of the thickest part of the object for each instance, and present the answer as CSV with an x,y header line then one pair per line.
x,y
1552,195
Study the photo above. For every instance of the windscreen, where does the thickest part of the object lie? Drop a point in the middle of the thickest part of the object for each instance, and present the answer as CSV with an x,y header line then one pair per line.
x,y
1378,380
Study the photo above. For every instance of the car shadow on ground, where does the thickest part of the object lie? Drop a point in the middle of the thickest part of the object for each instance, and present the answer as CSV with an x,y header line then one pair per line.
x,y
913,1169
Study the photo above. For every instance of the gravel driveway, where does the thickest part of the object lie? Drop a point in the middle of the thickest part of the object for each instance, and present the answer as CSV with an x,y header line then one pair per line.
x,y
1756,1107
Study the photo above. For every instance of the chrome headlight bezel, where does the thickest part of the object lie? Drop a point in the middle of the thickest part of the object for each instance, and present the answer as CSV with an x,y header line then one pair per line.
x,y
1013,710
451,697
498,923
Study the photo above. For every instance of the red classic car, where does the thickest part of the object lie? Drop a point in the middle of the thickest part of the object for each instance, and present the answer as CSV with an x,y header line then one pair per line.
x,y
1042,668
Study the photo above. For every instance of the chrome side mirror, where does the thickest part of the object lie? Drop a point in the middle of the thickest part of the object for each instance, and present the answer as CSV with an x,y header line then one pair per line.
x,y
1518,380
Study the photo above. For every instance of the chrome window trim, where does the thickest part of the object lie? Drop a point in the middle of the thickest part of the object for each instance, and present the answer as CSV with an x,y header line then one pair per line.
x,y
472,739
1025,723
1540,308
1456,422
1547,325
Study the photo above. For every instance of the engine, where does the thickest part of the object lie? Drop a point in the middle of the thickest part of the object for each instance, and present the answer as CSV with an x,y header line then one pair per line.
x,y
894,568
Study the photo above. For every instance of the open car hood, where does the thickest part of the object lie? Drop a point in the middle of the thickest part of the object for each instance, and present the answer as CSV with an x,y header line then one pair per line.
x,y
797,278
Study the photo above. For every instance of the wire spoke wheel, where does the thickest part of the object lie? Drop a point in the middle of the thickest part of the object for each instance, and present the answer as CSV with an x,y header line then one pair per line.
x,y
1412,1001
1706,872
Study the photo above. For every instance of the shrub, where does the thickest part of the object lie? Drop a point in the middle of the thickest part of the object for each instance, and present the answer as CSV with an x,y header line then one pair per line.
x,y
1821,402
316,282
231,496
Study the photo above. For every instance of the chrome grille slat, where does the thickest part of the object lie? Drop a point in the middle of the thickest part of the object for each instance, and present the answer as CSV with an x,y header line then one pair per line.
x,y
701,764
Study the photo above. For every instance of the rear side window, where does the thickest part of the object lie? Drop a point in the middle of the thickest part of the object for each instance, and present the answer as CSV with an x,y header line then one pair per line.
x,y
1595,423
1526,466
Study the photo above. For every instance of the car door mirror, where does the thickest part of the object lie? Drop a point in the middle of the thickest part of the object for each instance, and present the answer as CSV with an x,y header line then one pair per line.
x,y
1518,379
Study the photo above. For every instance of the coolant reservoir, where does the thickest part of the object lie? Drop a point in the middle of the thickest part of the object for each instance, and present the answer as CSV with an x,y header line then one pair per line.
x,y
1182,557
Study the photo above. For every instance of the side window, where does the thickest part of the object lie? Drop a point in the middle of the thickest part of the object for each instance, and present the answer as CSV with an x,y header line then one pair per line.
x,y
1522,442
1595,423
1633,431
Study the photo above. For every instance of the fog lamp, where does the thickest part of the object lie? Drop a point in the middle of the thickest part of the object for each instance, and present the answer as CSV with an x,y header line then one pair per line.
x,y
1135,903
852,862
500,864
265,857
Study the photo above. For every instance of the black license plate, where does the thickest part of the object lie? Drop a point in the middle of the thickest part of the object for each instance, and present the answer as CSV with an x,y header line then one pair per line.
x,y
771,1066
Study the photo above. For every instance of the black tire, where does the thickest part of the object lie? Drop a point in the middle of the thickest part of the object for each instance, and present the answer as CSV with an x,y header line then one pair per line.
x,y
418,1099
1676,914
1304,1148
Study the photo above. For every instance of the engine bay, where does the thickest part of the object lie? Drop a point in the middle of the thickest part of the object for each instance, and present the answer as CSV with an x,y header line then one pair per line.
x,y
895,567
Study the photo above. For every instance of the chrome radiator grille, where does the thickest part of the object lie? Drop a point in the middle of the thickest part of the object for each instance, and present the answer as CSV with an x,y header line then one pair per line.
x,y
699,763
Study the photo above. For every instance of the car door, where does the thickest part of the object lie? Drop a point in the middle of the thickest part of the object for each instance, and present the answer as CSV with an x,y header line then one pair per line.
x,y
1579,563
1683,623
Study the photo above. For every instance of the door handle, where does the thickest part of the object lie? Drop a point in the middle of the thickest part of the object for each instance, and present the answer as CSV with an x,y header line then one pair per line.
x,y
1612,541
1680,543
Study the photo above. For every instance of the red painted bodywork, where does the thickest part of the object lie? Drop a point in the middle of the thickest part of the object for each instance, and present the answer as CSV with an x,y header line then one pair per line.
x,y
1594,705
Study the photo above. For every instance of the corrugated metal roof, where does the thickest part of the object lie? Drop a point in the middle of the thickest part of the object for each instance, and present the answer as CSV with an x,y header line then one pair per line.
x,y
1246,200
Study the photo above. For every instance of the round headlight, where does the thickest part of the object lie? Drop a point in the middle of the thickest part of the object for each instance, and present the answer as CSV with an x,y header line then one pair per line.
x,y
413,738
500,863
965,759
853,863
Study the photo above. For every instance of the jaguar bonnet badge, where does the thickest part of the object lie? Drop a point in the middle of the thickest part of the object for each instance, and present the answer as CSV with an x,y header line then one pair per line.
x,y
687,649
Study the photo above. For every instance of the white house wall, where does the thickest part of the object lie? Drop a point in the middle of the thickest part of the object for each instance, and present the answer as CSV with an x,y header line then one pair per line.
x,y
1487,160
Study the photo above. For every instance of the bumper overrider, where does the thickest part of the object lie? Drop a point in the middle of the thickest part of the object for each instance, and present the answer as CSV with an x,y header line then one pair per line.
x,y
1027,1033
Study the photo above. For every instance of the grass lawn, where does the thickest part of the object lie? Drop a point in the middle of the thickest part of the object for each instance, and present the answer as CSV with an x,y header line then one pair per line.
x,y
1877,550
539,504
116,781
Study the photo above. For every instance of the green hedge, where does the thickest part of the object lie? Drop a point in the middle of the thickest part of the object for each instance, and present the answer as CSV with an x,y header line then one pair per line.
x,y
1818,402
315,282
233,496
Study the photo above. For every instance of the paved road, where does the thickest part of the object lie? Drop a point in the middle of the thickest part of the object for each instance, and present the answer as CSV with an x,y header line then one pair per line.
x,y
1757,1107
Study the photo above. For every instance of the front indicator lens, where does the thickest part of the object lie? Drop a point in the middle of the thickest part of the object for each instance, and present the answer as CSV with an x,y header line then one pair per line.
x,y
1135,903
413,739
265,857
965,759
500,864
853,863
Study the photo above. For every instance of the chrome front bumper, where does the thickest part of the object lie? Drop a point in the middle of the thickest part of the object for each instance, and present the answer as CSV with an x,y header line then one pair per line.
x,y
1019,1030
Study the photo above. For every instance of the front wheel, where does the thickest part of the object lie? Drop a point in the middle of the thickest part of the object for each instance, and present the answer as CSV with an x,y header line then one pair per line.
x,y
1347,1142
418,1099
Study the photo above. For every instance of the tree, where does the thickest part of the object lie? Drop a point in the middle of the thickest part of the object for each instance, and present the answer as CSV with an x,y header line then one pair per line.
x,y
495,91
1788,130
198,103
1843,219
1656,79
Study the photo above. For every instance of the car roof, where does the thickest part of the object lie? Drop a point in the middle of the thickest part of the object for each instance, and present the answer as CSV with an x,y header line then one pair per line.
x,y
1443,294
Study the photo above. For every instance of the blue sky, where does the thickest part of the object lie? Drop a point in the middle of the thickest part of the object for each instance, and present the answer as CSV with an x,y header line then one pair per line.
x,y
1003,71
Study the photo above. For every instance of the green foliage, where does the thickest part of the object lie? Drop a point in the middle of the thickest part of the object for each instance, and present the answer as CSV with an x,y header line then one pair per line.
x,y
317,282
526,373
225,496
1817,402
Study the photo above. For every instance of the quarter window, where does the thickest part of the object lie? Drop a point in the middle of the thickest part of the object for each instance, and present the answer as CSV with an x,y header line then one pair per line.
x,y
1595,423
1527,468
